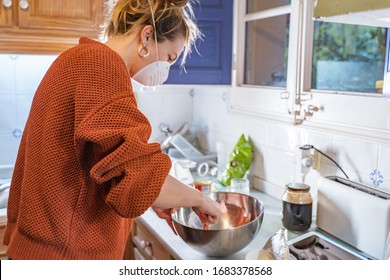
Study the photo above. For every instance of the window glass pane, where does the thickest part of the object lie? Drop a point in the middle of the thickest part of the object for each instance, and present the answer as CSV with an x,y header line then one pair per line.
x,y
348,57
253,6
266,51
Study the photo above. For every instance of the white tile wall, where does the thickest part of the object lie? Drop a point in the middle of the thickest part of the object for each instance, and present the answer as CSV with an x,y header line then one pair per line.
x,y
170,106
384,166
150,104
274,143
8,115
257,130
29,71
177,106
23,105
279,166
282,137
20,76
205,108
321,141
9,146
356,155
7,74
259,159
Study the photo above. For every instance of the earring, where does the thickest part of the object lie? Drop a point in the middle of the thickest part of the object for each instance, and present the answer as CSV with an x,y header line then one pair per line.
x,y
143,51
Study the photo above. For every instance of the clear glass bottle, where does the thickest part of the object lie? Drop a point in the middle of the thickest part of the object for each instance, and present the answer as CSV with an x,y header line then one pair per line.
x,y
297,207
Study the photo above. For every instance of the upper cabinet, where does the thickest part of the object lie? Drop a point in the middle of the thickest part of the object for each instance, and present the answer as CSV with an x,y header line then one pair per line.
x,y
53,26
321,75
6,14
47,26
211,60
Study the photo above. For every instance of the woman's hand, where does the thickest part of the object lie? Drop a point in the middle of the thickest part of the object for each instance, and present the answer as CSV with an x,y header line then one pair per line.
x,y
177,194
166,215
209,211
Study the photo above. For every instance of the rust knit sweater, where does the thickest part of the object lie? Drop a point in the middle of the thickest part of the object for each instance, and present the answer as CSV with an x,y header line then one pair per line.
x,y
84,167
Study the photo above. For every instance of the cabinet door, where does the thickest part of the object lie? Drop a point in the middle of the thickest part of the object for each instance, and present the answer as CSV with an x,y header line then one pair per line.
x,y
74,15
143,245
211,61
6,14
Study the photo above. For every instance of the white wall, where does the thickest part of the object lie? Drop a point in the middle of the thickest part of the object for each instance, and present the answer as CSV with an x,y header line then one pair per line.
x,y
206,109
274,142
20,76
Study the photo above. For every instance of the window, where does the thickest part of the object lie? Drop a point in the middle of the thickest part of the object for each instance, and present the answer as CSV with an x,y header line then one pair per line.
x,y
293,69
263,80
257,6
345,57
266,43
270,67
348,58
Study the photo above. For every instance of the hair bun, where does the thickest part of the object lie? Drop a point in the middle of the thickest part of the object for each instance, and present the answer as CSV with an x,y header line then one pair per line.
x,y
177,3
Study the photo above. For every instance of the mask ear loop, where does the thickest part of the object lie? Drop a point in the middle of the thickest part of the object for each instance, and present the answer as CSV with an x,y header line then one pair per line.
x,y
154,29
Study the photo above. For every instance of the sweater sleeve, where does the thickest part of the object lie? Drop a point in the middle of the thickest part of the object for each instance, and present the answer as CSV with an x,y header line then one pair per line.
x,y
112,144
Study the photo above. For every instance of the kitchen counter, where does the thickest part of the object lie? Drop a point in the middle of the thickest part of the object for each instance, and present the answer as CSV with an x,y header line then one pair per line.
x,y
3,216
180,250
3,211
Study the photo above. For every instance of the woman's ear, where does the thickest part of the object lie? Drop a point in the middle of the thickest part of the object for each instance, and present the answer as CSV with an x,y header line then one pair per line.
x,y
146,34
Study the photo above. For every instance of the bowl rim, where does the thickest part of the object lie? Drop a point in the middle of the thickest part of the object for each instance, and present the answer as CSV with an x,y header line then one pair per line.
x,y
210,230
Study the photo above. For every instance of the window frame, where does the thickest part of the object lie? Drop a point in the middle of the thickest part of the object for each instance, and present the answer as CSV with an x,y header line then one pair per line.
x,y
268,102
337,110
305,87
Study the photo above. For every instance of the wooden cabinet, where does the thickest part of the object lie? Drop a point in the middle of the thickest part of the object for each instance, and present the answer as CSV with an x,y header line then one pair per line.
x,y
47,26
6,14
142,245
3,255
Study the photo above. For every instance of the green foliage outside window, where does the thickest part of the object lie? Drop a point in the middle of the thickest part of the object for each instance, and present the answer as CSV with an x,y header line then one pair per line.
x,y
355,44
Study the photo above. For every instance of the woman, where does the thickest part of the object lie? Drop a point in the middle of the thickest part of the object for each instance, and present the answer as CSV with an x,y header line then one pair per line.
x,y
85,167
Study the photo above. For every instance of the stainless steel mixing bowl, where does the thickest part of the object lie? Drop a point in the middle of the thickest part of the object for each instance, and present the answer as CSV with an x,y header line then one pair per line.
x,y
235,229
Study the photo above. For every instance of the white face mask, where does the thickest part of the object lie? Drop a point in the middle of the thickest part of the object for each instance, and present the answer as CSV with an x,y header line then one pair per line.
x,y
156,73
153,74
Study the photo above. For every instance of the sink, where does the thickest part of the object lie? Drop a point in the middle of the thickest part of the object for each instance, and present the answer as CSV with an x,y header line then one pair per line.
x,y
4,192
5,182
6,173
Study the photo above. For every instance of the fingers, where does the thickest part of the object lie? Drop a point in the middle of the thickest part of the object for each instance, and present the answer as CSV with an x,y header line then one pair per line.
x,y
205,220
210,220
209,212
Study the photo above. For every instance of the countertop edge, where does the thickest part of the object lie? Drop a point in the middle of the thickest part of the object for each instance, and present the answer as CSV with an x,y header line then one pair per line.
x,y
3,216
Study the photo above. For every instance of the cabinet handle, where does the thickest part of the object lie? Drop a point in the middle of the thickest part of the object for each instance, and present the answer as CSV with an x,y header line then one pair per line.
x,y
7,3
23,4
284,95
145,244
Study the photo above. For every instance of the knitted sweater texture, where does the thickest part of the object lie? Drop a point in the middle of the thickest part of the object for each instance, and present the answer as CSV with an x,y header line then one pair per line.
x,y
85,167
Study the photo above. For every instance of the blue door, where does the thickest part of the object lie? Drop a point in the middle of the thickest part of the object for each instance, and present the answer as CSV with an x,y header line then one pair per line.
x,y
211,63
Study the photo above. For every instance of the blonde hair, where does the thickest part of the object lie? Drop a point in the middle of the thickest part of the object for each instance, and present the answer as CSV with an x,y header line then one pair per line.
x,y
173,18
